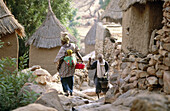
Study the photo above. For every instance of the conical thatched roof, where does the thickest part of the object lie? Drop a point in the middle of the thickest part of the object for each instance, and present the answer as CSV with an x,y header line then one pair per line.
x,y
48,34
125,4
113,11
8,24
91,35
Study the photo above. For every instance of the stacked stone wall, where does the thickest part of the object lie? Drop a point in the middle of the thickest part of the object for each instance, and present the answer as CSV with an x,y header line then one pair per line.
x,y
152,71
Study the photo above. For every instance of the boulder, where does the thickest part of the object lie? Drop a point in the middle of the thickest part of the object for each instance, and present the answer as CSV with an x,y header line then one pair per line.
x,y
65,102
141,74
163,67
33,68
126,79
56,78
128,59
132,79
163,52
158,37
77,101
166,78
152,62
167,40
129,86
134,66
50,99
154,49
113,78
125,64
128,101
41,80
143,67
151,71
166,61
133,73
125,72
157,57
161,82
166,46
141,83
30,87
152,81
160,32
110,107
87,107
159,74
129,93
35,107
119,101
150,102
41,72
110,95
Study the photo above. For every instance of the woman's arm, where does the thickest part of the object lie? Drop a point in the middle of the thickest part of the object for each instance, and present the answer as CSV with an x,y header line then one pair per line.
x,y
79,56
93,66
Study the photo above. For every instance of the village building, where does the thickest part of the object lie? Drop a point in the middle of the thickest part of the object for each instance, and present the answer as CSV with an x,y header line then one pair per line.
x,y
102,33
109,31
90,39
140,19
144,61
9,28
45,42
112,12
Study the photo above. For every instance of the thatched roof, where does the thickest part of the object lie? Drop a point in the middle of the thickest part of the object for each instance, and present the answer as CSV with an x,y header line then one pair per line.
x,y
91,35
125,4
48,34
8,24
113,11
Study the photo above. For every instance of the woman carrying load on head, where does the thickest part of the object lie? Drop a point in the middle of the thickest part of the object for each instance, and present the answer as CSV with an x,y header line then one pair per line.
x,y
66,71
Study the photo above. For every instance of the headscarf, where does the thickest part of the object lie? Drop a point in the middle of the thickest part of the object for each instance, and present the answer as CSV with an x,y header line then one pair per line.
x,y
100,56
65,38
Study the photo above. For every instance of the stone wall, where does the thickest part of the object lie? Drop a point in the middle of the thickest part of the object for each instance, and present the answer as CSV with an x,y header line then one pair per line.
x,y
153,71
112,54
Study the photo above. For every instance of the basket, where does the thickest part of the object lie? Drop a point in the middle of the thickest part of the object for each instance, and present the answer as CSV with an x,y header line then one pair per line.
x,y
79,66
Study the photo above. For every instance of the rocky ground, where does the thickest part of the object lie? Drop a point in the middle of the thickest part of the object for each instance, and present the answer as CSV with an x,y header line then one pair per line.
x,y
84,98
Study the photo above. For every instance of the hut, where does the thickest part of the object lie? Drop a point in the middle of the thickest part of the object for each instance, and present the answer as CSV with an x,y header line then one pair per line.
x,y
112,12
140,19
45,42
90,39
9,28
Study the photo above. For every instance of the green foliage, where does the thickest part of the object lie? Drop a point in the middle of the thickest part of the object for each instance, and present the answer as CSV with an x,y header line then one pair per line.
x,y
72,24
104,3
31,14
1,43
23,61
11,84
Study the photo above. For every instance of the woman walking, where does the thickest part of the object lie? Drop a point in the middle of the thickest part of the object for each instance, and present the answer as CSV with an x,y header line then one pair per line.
x,y
66,71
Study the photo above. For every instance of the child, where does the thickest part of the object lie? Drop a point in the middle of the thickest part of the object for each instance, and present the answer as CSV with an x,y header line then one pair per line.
x,y
68,58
